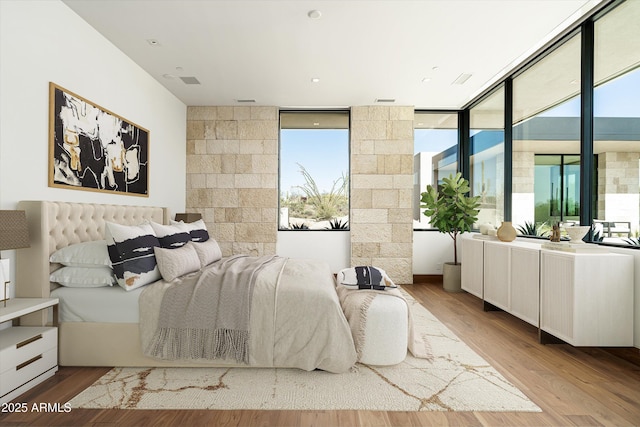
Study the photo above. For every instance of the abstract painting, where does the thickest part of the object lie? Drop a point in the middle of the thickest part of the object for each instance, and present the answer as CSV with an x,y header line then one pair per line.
x,y
91,148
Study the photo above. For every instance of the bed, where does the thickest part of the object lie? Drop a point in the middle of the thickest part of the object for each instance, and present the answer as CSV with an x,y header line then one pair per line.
x,y
102,327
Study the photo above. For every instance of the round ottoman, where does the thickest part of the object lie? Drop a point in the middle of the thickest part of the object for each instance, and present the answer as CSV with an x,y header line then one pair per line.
x,y
385,331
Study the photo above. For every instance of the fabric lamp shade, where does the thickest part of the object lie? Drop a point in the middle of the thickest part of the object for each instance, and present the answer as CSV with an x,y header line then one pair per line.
x,y
14,232
188,217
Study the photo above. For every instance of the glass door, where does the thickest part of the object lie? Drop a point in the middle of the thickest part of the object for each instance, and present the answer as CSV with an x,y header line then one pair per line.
x,y
557,188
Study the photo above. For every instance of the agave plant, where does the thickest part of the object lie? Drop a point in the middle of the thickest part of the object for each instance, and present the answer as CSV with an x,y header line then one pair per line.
x,y
337,224
302,226
532,228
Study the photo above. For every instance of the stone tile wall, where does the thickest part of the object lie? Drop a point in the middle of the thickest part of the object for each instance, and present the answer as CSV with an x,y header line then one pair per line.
x,y
232,175
382,189
232,179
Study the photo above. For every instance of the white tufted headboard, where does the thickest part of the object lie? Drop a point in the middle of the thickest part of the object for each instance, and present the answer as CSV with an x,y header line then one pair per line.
x,y
53,225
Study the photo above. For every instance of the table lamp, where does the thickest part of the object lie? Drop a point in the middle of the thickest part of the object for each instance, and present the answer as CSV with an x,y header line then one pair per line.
x,y
14,234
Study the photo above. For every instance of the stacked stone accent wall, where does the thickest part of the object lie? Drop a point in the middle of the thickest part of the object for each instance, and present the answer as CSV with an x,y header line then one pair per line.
x,y
232,175
382,189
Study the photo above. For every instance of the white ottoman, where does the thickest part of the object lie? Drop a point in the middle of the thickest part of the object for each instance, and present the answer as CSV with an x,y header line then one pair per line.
x,y
385,331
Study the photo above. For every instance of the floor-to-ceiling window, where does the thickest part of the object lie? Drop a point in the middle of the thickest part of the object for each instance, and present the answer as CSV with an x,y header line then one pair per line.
x,y
435,155
486,161
617,123
314,170
546,140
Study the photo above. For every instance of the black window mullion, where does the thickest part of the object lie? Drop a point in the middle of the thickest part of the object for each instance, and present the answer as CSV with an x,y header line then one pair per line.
x,y
464,150
586,123
508,148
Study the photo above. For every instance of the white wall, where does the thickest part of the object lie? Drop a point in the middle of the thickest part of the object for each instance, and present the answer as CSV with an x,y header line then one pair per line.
x,y
430,250
44,41
331,246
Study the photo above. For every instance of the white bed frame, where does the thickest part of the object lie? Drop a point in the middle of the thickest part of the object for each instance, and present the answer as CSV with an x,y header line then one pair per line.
x,y
53,225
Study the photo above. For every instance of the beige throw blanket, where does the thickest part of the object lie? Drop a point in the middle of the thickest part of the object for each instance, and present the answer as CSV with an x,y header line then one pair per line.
x,y
208,317
296,320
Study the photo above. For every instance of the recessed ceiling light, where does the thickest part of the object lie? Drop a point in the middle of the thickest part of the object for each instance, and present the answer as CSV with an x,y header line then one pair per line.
x,y
385,100
575,82
245,101
315,80
316,124
169,76
426,79
153,42
314,14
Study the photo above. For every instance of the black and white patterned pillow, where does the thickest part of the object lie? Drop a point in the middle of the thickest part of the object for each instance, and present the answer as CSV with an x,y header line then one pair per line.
x,y
197,229
171,236
131,252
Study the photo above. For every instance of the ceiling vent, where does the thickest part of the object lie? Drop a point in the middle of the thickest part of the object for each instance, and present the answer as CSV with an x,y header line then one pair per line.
x,y
387,100
462,78
190,80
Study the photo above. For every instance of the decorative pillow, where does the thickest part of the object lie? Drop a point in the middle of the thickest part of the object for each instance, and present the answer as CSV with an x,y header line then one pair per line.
x,y
174,263
131,252
84,277
208,251
197,229
365,277
85,254
171,236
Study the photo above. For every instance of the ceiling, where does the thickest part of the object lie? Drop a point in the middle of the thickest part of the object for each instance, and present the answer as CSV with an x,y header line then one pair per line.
x,y
269,51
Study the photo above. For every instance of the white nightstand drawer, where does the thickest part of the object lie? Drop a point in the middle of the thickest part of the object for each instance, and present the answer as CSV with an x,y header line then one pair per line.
x,y
27,370
21,344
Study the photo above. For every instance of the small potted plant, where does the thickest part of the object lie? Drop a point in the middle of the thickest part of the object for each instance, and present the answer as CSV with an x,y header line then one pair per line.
x,y
452,212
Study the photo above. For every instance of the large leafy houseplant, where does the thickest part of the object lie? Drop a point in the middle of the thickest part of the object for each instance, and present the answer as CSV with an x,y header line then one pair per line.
x,y
450,209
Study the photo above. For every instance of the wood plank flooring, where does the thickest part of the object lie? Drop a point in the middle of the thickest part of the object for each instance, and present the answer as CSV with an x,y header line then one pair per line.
x,y
574,387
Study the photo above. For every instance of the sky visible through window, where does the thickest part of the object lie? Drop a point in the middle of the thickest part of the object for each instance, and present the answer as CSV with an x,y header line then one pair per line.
x,y
324,153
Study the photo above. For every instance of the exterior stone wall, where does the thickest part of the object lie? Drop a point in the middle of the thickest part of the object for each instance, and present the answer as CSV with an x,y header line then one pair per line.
x,y
232,175
382,189
619,187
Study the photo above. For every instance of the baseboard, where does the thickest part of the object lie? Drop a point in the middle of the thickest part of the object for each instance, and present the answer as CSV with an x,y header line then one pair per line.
x,y
427,278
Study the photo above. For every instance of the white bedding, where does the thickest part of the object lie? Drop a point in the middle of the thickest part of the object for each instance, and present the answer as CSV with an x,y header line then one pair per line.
x,y
109,304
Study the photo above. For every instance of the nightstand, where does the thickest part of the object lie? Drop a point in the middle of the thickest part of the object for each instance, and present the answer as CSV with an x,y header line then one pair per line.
x,y
28,354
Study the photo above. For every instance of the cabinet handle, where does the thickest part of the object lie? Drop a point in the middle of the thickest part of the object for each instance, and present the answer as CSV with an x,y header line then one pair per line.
x,y
28,362
29,341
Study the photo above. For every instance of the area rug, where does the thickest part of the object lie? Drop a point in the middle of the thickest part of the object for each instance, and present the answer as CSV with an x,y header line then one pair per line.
x,y
455,378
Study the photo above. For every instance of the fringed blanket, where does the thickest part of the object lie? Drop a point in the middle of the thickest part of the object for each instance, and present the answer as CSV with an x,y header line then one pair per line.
x,y
208,318
295,318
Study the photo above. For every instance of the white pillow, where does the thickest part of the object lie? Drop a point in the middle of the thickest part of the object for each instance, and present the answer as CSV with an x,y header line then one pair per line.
x,y
131,253
208,251
174,263
197,229
171,236
83,277
85,254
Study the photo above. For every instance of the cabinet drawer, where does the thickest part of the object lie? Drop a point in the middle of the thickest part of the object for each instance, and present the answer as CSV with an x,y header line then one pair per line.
x,y
25,343
27,370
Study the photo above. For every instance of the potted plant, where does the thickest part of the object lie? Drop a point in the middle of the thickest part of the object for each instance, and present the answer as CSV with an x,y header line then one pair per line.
x,y
452,212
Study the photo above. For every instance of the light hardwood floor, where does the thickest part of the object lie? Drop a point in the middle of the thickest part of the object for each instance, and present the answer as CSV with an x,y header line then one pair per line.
x,y
582,387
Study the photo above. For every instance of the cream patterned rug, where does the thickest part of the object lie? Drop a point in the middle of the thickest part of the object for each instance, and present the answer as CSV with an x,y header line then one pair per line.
x,y
454,379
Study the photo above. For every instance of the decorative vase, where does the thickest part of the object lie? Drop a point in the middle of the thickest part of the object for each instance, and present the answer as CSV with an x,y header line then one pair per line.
x,y
506,232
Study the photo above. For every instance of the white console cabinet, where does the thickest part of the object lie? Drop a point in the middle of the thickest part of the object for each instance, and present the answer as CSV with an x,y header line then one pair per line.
x,y
511,278
587,299
471,274
583,298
